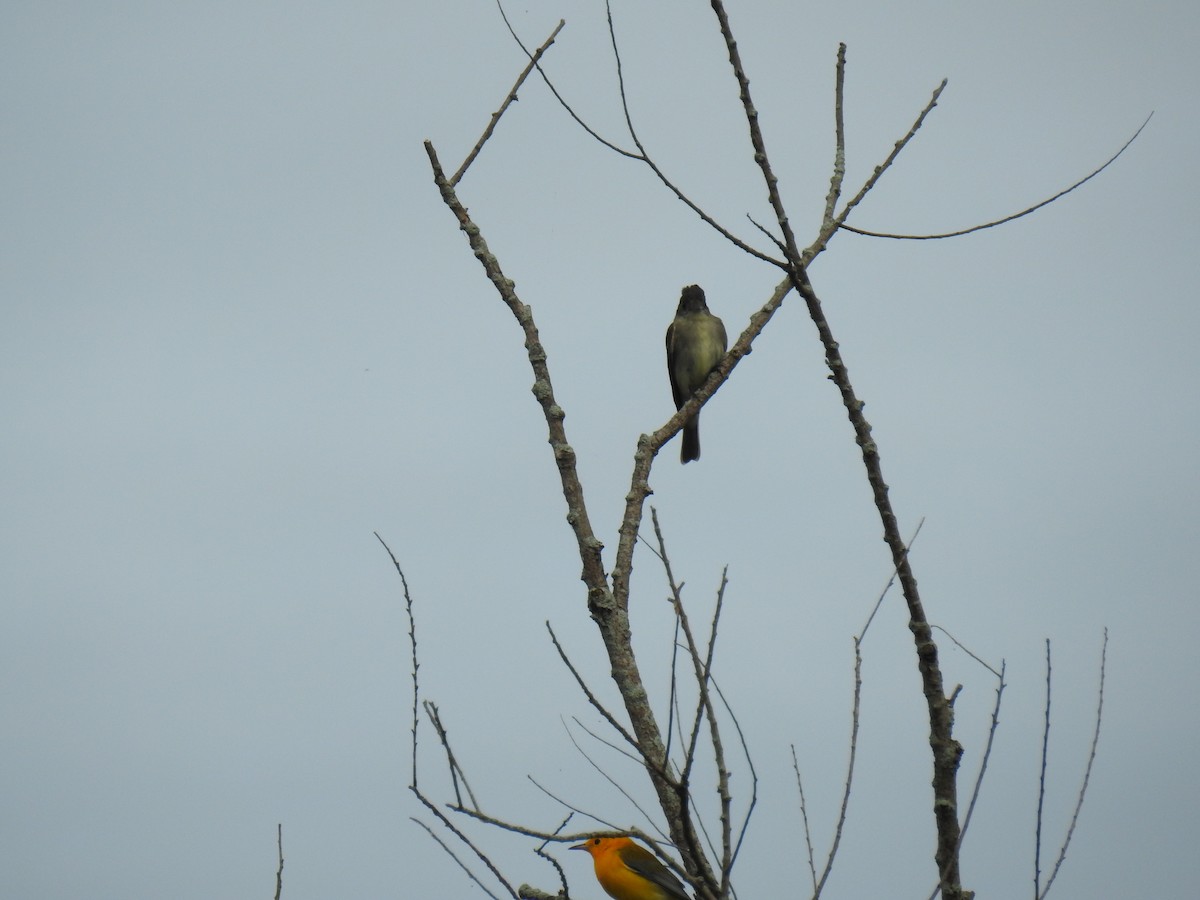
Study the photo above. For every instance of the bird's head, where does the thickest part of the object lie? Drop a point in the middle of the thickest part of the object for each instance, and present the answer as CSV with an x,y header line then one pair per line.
x,y
598,846
692,299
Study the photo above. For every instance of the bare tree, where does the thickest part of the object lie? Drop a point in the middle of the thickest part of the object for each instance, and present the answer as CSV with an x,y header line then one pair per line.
x,y
707,852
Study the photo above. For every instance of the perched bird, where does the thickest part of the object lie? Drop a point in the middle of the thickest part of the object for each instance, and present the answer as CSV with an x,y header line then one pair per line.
x,y
695,344
628,871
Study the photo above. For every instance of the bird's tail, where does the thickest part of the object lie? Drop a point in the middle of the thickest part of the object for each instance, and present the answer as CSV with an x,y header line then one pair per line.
x,y
691,440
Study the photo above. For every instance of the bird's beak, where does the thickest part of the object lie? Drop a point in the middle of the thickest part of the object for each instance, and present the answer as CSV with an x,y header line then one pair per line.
x,y
582,846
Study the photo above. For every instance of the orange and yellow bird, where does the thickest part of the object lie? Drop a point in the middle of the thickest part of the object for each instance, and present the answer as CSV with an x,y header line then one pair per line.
x,y
628,871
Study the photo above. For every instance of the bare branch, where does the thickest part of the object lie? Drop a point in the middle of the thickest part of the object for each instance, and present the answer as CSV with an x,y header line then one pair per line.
x,y
279,871
1087,773
609,607
967,651
587,691
812,863
987,749
949,234
1037,849
559,97
525,892
645,157
512,96
887,587
701,670
839,129
828,230
562,876
412,641
753,800
456,771
462,865
944,749
854,720
624,793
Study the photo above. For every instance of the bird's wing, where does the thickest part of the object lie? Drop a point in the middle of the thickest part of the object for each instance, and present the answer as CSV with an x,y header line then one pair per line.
x,y
645,865
676,392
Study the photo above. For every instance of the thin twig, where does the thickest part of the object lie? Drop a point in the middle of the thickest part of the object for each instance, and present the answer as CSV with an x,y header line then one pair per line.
x,y
641,155
1017,215
587,691
512,96
987,749
839,130
462,865
753,801
967,651
1087,774
1037,850
891,580
412,641
855,718
616,784
573,810
456,771
541,851
645,157
702,671
812,861
828,230
279,871
559,97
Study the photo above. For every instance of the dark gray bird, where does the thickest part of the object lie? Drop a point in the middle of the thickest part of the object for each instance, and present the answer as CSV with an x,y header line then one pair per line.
x,y
695,344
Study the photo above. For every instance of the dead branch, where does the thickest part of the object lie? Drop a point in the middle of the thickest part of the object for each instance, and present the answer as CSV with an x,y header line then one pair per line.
x,y
508,101
1037,846
1087,772
279,871
1009,218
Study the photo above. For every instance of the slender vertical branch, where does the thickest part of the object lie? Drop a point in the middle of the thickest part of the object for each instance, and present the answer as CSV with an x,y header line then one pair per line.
x,y
279,871
946,751
839,129
1087,772
1037,849
812,860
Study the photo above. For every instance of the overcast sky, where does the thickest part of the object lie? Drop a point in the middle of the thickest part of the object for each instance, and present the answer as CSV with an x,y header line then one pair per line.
x,y
240,333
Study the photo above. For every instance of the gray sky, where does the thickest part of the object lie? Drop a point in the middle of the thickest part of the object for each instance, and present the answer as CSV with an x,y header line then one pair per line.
x,y
240,333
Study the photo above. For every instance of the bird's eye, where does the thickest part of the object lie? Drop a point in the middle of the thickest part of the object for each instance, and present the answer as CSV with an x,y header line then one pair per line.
x,y
596,841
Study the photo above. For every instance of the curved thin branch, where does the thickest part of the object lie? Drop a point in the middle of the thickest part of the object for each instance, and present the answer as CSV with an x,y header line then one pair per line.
x,y
559,97
645,157
1087,774
949,234
641,155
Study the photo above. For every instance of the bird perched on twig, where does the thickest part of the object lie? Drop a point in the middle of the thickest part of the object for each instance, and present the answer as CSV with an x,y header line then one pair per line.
x,y
628,871
695,344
